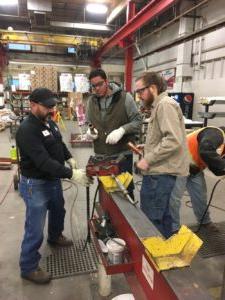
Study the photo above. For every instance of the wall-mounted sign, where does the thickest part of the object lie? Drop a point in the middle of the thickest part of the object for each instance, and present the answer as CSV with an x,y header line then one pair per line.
x,y
66,82
24,82
169,76
81,83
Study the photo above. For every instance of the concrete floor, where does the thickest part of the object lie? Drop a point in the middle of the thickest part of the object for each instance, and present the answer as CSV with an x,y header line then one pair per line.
x,y
12,210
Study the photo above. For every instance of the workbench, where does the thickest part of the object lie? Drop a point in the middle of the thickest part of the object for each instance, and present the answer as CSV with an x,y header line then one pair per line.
x,y
145,281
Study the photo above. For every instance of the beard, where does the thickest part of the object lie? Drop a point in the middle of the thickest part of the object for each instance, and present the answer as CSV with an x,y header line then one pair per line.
x,y
44,117
148,101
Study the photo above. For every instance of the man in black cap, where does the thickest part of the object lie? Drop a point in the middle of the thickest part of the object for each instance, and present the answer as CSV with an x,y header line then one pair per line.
x,y
42,158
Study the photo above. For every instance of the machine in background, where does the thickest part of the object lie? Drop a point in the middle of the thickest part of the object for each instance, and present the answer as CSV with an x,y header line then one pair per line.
x,y
186,101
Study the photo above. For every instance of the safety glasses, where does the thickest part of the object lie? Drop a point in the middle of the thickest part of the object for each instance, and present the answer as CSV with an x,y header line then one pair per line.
x,y
140,91
96,85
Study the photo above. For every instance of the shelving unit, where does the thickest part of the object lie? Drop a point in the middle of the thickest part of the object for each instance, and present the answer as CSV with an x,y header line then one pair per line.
x,y
210,101
19,103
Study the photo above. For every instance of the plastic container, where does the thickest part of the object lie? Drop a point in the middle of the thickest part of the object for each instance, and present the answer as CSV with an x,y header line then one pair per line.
x,y
124,297
116,250
13,153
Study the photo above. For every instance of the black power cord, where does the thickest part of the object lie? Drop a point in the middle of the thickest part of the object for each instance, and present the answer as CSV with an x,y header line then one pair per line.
x,y
87,240
73,184
208,205
138,183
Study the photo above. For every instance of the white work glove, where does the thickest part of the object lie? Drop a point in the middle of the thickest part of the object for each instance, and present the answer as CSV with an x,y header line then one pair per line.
x,y
115,136
72,163
79,175
92,136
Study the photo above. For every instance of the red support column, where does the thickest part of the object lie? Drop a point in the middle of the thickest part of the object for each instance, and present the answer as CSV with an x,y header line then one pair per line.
x,y
3,61
129,51
151,10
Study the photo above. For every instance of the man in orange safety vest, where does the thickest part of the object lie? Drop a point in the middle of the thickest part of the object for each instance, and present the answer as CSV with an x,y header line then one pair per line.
x,y
206,149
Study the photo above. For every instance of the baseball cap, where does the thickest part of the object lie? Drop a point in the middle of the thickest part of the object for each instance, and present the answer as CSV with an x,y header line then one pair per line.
x,y
43,96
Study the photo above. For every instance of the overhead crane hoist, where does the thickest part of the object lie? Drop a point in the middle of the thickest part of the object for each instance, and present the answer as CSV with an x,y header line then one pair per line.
x,y
42,38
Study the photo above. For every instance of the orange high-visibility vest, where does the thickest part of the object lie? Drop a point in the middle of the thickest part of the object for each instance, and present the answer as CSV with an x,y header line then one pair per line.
x,y
54,116
192,142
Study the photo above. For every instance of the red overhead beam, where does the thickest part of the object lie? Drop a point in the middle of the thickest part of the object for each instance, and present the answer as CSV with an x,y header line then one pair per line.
x,y
129,51
152,9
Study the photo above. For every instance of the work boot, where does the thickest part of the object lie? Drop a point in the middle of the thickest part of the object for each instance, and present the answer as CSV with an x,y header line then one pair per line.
x,y
38,276
210,227
62,241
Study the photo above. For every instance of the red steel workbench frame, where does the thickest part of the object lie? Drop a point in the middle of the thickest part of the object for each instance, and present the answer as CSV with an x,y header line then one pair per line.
x,y
144,280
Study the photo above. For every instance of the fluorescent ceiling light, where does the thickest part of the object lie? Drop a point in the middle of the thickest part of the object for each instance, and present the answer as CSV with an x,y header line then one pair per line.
x,y
116,11
96,8
8,2
91,26
88,26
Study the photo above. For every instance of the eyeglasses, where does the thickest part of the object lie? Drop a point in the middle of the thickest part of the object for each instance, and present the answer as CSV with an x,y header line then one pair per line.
x,y
99,84
140,91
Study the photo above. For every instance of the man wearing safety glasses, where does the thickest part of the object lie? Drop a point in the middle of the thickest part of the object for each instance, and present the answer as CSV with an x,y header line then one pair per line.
x,y
165,155
115,118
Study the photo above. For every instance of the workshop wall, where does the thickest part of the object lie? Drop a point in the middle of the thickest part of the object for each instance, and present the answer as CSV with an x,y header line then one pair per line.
x,y
206,76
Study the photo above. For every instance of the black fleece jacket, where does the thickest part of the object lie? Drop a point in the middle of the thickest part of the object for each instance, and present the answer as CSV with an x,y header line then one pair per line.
x,y
42,151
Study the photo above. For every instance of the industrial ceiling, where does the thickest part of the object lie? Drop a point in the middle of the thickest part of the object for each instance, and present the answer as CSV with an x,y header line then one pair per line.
x,y
49,15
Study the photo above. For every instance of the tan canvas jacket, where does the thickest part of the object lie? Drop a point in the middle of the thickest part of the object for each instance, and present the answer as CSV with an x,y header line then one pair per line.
x,y
165,148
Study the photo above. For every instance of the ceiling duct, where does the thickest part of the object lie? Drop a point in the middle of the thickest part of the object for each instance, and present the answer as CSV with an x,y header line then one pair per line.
x,y
39,5
38,10
86,26
116,11
39,18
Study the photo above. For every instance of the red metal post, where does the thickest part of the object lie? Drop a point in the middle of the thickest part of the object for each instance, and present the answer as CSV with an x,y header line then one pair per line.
x,y
129,51
152,9
3,61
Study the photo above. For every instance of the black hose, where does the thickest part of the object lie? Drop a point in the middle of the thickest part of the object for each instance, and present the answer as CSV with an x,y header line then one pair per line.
x,y
208,205
92,214
88,213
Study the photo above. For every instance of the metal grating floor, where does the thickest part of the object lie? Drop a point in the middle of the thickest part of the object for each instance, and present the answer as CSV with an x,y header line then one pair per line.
x,y
71,261
213,242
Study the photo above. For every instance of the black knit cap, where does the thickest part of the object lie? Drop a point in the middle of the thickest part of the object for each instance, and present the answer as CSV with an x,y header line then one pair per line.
x,y
43,96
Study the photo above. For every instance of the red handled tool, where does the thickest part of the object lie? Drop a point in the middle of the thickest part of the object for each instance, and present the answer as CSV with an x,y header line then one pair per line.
x,y
134,148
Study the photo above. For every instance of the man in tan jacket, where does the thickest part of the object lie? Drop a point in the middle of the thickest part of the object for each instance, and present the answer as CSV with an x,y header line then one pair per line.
x,y
165,151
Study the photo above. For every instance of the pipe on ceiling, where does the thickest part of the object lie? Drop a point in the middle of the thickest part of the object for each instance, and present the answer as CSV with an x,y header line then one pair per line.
x,y
116,11
188,37
177,18
152,9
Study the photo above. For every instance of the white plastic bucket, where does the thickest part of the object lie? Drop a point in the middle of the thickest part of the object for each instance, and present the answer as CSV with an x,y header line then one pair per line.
x,y
124,297
116,250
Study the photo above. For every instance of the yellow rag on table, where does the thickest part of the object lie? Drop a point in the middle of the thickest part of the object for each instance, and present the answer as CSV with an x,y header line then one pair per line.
x,y
110,184
175,252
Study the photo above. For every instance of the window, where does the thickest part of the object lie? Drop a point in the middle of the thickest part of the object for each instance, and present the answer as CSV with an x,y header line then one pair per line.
x,y
71,50
19,47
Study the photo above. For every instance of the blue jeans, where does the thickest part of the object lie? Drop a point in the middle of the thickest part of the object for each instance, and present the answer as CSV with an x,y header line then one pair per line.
x,y
155,197
39,196
197,190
